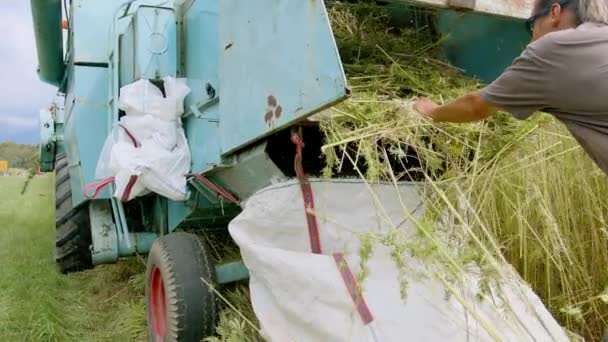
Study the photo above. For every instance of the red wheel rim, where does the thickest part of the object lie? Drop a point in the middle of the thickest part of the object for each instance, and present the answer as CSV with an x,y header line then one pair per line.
x,y
158,306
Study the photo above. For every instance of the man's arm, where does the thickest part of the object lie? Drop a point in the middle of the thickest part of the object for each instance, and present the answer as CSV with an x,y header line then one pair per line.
x,y
468,108
525,87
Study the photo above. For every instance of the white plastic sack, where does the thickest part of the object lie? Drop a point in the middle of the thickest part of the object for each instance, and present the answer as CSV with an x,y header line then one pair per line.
x,y
148,151
150,129
144,98
125,163
300,296
103,170
167,168
120,160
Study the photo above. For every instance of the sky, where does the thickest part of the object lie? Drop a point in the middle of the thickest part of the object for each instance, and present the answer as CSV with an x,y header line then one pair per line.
x,y
22,94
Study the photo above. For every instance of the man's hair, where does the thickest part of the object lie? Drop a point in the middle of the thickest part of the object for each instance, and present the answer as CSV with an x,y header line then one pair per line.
x,y
593,11
586,10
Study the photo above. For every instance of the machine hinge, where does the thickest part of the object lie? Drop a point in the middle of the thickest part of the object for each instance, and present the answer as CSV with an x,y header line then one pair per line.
x,y
198,109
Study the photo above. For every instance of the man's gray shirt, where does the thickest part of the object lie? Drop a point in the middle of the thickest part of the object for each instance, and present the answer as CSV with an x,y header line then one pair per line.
x,y
564,73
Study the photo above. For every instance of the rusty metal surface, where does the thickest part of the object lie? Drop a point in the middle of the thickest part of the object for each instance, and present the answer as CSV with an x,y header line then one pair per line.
x,y
273,112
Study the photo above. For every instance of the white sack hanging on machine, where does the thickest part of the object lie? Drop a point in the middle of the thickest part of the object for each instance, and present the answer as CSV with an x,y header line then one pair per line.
x,y
147,151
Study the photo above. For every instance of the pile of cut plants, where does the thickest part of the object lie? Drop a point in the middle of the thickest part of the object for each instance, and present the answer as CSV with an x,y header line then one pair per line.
x,y
520,193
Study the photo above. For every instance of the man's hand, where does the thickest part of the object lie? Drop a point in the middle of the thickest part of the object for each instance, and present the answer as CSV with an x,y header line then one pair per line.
x,y
426,107
467,108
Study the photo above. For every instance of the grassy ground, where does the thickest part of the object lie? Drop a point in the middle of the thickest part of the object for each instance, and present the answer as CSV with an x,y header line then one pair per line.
x,y
39,304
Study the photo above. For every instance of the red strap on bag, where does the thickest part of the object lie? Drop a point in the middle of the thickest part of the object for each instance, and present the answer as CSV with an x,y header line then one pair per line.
x,y
352,286
102,184
308,197
218,190
97,186
127,193
131,136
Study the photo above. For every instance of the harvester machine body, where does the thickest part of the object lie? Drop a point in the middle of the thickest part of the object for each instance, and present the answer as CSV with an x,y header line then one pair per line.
x,y
256,71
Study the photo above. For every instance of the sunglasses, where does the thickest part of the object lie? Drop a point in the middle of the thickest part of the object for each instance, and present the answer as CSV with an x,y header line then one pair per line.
x,y
532,20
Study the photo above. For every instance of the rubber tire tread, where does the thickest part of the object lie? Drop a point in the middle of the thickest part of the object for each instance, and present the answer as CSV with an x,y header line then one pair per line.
x,y
192,307
72,225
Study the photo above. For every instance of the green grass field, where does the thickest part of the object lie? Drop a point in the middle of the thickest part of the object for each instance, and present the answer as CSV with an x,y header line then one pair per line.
x,y
39,304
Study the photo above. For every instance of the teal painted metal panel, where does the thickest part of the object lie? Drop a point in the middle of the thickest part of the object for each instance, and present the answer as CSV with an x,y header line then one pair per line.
x,y
59,121
177,212
47,140
483,45
231,272
147,42
237,79
201,63
201,49
104,237
155,43
140,243
278,64
85,127
126,45
160,216
107,243
91,26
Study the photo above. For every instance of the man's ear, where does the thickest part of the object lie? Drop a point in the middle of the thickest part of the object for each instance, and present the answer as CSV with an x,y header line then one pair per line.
x,y
556,14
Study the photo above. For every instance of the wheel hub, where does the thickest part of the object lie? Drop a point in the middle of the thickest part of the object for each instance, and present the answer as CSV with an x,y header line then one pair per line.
x,y
158,306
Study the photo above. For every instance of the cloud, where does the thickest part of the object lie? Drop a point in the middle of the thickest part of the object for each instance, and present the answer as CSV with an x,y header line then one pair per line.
x,y
22,94
18,122
20,136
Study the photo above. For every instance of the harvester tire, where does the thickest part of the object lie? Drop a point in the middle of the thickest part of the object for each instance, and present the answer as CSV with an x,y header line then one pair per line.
x,y
180,283
72,225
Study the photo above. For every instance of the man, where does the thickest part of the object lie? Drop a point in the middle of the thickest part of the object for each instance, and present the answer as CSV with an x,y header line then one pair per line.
x,y
563,71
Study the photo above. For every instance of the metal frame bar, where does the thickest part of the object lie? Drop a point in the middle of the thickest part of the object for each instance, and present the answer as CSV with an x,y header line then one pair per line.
x,y
231,272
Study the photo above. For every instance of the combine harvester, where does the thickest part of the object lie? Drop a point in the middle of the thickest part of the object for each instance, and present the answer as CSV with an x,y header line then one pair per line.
x,y
254,72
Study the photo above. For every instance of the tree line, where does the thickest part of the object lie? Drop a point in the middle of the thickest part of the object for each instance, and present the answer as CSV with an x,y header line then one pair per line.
x,y
21,156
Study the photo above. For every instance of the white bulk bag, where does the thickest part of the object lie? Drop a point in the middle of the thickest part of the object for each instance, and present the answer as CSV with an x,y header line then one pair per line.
x,y
147,151
300,296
